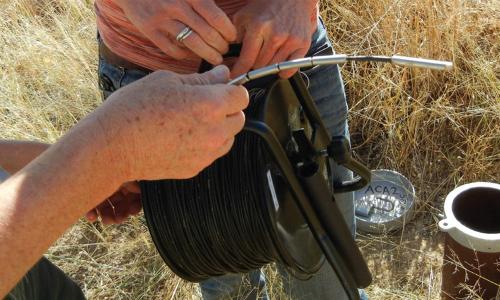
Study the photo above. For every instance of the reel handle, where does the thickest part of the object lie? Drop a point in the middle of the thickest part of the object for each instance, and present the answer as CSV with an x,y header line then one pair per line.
x,y
340,151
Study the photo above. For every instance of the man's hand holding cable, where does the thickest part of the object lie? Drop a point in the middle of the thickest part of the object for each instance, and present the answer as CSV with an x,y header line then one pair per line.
x,y
163,126
195,124
273,31
162,21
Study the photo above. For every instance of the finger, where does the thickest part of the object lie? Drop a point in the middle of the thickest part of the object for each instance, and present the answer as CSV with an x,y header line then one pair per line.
x,y
107,219
201,49
240,20
207,32
234,123
195,43
91,216
269,49
252,43
167,44
219,74
216,18
109,208
224,149
129,205
121,211
235,99
134,204
300,53
108,214
135,207
131,187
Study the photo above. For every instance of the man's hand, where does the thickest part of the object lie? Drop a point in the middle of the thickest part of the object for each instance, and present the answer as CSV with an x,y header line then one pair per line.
x,y
273,31
118,207
172,126
162,20
163,126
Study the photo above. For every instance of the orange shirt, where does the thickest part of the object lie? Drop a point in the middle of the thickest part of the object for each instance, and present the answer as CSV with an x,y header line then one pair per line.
x,y
121,37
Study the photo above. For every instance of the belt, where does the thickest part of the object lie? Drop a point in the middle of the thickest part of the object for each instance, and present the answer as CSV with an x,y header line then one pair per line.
x,y
118,61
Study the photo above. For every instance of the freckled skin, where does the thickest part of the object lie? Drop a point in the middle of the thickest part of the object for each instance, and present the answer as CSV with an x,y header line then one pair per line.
x,y
201,119
123,134
161,22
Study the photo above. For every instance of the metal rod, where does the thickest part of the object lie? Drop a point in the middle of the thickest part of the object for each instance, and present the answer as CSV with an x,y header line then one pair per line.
x,y
340,59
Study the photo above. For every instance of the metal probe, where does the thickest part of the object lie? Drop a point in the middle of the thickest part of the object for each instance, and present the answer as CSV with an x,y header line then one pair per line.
x,y
340,59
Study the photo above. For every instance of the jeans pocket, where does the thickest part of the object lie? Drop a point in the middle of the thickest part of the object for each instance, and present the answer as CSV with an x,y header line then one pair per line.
x,y
327,90
110,78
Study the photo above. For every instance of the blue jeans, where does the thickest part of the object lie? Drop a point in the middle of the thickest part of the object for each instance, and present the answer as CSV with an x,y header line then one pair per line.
x,y
327,89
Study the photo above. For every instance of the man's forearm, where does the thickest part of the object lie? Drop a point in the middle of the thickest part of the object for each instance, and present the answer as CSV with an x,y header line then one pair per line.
x,y
41,201
180,125
14,155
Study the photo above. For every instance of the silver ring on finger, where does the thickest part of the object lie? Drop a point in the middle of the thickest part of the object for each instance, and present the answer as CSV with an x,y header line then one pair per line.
x,y
184,34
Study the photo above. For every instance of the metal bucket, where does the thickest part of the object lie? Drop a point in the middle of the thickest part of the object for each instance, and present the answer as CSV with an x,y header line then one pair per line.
x,y
471,264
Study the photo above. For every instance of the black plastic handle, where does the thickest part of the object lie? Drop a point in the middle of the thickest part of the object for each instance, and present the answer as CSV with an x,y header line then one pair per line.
x,y
340,151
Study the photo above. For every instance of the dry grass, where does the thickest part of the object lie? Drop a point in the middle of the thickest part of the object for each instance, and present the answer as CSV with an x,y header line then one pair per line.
x,y
439,129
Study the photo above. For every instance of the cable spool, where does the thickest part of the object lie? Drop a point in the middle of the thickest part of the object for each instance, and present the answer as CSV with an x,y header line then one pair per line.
x,y
238,214
289,145
267,200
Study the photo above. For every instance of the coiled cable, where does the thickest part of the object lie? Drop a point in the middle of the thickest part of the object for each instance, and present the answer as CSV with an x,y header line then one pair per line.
x,y
220,221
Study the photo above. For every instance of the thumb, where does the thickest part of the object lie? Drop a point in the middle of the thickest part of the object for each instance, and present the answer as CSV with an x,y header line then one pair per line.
x,y
219,74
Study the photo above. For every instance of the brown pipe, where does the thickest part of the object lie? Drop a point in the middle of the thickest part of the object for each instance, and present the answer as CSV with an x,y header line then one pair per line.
x,y
471,261
468,273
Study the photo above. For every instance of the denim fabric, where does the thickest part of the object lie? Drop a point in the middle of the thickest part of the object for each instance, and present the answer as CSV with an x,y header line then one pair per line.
x,y
3,174
327,89
45,281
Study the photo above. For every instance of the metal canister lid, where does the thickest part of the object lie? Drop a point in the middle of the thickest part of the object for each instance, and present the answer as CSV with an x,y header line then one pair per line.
x,y
386,203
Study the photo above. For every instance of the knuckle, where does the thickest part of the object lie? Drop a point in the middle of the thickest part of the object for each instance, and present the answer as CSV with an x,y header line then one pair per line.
x,y
169,7
216,106
238,93
173,9
277,39
298,40
164,74
241,118
265,24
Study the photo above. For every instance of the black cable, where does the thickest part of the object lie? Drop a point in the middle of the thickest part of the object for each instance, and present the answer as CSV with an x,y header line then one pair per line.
x,y
249,208
218,222
369,58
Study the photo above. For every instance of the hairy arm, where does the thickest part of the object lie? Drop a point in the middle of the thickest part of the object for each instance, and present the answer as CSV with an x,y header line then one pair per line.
x,y
14,155
163,126
41,201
